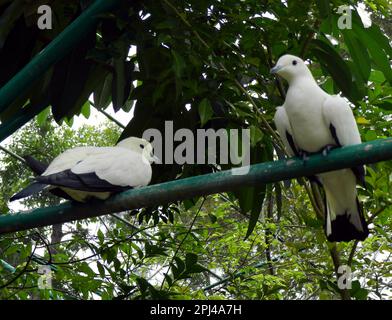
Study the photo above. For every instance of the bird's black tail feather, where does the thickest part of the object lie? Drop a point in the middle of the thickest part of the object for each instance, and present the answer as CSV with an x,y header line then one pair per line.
x,y
38,168
343,228
29,190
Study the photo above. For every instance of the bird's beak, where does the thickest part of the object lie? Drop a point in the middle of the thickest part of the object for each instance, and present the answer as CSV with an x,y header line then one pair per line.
x,y
155,159
276,69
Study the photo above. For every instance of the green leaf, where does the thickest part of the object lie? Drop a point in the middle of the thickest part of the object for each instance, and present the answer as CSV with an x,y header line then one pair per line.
x,y
256,135
43,116
101,236
85,268
178,63
357,292
142,284
382,61
196,268
359,53
385,104
74,79
212,217
377,44
254,197
169,280
337,68
101,269
251,198
154,250
103,93
370,135
205,111
122,83
86,110
180,264
377,76
190,259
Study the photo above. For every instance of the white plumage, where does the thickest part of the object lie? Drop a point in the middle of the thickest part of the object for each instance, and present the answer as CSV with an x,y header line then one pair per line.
x,y
311,121
86,172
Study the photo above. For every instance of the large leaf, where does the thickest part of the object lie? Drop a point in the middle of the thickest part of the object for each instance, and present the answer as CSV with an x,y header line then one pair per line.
x,y
251,201
359,54
377,43
205,112
103,93
17,50
122,77
8,19
70,78
251,198
337,67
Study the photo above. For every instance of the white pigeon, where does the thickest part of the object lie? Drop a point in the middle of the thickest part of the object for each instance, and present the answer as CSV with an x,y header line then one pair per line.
x,y
312,121
93,172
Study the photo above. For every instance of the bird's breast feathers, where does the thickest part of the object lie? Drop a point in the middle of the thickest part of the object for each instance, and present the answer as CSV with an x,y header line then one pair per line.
x,y
304,111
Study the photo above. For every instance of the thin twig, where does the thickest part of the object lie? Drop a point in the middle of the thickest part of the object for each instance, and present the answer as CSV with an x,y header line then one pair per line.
x,y
12,154
107,115
182,241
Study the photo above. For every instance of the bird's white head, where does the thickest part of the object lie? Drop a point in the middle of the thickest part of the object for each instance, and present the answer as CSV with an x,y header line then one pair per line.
x,y
141,146
290,67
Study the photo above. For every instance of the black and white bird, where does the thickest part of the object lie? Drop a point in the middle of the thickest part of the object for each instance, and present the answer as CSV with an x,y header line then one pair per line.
x,y
93,172
312,121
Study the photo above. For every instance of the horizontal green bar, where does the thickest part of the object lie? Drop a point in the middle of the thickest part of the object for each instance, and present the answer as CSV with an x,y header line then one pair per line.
x,y
55,51
267,172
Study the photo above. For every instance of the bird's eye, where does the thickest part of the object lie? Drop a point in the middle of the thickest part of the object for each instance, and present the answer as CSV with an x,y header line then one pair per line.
x,y
142,146
295,62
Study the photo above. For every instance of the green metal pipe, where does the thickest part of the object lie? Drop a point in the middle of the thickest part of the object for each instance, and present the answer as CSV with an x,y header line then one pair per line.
x,y
7,266
267,172
17,121
55,51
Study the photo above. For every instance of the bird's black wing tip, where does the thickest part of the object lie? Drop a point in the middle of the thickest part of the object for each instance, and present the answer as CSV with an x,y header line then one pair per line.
x,y
89,182
28,191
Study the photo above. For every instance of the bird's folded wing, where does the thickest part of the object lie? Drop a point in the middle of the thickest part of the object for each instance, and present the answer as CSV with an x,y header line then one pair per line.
x,y
283,126
109,169
83,182
341,121
120,167
71,157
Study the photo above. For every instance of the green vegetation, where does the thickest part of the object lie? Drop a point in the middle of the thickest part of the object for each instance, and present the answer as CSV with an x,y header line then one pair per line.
x,y
213,58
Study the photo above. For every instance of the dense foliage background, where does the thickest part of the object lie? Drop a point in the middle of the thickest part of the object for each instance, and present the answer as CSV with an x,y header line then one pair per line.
x,y
201,64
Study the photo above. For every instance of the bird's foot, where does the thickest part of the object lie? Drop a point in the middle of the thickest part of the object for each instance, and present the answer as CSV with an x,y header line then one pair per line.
x,y
326,150
304,155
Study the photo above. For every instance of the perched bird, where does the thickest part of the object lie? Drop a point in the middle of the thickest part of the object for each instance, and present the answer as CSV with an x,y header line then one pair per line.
x,y
312,121
93,172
